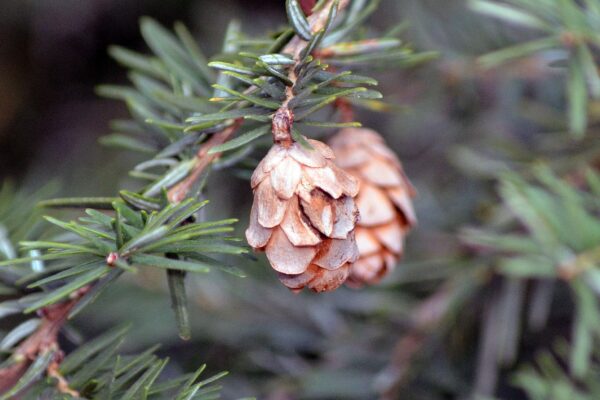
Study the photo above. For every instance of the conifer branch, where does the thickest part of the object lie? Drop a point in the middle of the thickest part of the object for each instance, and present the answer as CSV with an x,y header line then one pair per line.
x,y
283,118
569,28
43,341
190,127
316,22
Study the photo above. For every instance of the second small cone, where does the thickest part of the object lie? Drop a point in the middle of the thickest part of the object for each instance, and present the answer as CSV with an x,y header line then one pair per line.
x,y
384,202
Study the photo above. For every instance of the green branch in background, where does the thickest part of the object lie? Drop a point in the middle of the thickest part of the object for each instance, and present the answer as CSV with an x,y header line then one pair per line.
x,y
547,378
568,30
561,242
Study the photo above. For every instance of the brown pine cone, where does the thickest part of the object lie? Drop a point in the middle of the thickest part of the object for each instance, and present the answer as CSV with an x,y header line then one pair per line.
x,y
303,216
384,202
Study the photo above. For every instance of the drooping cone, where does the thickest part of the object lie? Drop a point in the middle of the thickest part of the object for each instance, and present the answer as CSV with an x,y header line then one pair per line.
x,y
303,216
384,202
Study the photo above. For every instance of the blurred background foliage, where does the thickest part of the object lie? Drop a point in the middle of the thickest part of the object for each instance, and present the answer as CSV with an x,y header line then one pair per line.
x,y
488,312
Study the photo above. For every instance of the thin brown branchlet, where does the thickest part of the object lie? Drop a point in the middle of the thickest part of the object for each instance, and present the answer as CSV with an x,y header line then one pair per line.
x,y
41,342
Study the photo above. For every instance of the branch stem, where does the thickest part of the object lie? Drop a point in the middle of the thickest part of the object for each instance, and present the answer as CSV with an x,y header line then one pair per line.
x,y
43,340
180,191
283,119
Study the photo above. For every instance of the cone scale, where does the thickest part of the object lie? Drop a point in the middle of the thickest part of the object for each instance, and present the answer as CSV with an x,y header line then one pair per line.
x,y
384,202
304,215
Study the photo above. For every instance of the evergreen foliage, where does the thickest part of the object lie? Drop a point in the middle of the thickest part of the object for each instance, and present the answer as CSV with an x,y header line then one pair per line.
x,y
522,266
184,109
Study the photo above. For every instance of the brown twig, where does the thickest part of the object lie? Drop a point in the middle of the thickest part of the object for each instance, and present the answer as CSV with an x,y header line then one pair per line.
x,y
424,319
180,191
62,384
345,109
307,6
429,317
283,118
42,341
317,22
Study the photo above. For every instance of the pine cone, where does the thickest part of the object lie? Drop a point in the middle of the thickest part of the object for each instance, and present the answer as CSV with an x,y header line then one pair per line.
x,y
303,216
384,202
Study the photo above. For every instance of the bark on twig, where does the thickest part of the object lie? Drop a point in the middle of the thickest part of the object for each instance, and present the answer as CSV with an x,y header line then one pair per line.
x,y
180,191
283,119
42,341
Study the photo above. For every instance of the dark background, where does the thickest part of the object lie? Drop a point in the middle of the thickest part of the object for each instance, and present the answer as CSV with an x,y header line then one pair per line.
x,y
53,54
